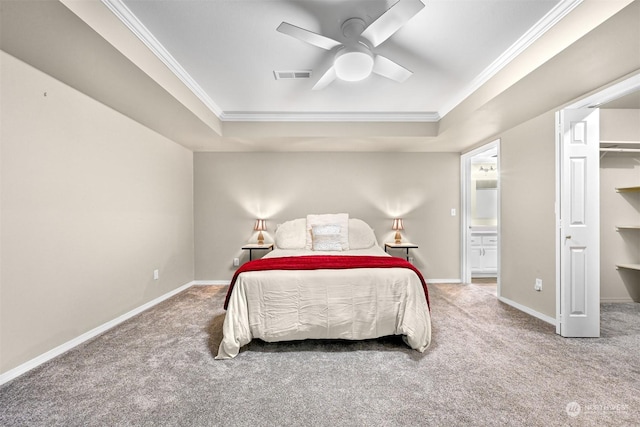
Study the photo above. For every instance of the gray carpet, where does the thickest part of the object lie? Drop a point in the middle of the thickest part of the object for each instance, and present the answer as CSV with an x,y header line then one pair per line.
x,y
488,364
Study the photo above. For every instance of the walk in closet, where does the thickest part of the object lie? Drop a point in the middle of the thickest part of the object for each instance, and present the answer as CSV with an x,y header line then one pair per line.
x,y
619,204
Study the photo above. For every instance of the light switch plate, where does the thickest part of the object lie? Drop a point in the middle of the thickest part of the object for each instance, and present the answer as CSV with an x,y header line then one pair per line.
x,y
538,285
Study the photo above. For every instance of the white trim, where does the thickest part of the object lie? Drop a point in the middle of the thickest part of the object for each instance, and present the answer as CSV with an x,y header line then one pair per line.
x,y
128,18
446,281
227,282
465,209
558,229
45,357
621,88
616,300
211,282
613,92
237,116
465,160
118,8
528,310
562,9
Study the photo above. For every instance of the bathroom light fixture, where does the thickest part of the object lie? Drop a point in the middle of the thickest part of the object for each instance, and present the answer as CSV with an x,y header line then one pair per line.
x,y
397,225
260,226
485,170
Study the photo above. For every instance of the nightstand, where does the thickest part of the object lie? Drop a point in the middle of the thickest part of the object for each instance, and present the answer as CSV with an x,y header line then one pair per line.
x,y
402,245
254,247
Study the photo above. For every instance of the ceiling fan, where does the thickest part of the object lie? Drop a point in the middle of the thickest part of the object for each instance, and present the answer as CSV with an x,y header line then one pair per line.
x,y
354,60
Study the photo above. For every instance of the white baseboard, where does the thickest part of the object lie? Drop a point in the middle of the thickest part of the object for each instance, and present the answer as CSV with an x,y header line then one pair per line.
x,y
45,357
211,282
528,310
226,282
443,280
615,300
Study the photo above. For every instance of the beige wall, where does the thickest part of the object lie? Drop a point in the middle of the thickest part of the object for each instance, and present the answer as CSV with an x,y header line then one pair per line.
x,y
527,179
233,189
619,170
91,204
528,211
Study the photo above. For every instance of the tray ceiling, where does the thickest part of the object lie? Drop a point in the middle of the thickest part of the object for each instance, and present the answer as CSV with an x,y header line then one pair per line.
x,y
201,72
229,49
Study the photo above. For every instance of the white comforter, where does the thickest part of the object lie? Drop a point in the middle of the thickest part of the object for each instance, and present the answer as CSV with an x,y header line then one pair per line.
x,y
353,304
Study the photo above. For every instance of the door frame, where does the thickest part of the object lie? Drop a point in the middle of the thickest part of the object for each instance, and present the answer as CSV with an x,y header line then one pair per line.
x,y
465,211
622,87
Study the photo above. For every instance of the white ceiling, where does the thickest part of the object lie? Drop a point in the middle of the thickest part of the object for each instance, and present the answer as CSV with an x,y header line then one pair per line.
x,y
201,72
230,49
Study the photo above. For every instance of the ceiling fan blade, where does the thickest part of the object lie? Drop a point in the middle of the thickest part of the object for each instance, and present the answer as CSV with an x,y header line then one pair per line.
x,y
307,36
387,68
327,77
391,21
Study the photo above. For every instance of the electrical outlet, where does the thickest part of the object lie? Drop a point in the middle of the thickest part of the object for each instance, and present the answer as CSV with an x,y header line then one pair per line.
x,y
156,274
538,285
236,262
453,211
410,259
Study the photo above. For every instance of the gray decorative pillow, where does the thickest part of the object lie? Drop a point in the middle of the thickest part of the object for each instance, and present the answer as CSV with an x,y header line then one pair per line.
x,y
326,237
341,219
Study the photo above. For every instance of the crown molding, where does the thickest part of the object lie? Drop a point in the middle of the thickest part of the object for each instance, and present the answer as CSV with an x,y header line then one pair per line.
x,y
118,8
329,117
562,9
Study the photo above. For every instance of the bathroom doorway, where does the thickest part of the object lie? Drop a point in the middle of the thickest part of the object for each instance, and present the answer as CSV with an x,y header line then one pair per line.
x,y
481,215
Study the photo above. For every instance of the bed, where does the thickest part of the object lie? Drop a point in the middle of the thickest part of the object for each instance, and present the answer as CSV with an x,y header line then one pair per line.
x,y
327,278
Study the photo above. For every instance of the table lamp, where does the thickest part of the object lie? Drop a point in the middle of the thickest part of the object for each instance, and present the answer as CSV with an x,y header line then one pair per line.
x,y
260,226
397,225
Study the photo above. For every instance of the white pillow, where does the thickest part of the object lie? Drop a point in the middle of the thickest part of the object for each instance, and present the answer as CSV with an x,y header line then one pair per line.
x,y
326,237
341,220
292,234
361,235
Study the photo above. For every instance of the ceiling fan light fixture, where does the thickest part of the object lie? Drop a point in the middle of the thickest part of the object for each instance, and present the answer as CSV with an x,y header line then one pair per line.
x,y
354,59
353,63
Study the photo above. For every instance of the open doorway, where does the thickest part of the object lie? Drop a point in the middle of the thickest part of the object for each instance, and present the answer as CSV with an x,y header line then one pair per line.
x,y
602,273
481,215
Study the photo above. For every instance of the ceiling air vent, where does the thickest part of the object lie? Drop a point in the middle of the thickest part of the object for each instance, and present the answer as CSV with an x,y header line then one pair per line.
x,y
288,75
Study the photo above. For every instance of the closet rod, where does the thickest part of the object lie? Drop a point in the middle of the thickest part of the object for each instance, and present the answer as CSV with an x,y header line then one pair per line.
x,y
622,150
619,142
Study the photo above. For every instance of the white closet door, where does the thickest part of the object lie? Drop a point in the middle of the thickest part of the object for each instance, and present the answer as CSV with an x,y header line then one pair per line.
x,y
579,223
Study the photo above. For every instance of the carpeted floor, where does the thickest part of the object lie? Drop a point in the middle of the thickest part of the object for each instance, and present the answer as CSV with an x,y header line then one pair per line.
x,y
488,364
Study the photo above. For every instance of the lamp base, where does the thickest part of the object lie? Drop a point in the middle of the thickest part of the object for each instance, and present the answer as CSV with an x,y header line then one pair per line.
x,y
398,238
260,238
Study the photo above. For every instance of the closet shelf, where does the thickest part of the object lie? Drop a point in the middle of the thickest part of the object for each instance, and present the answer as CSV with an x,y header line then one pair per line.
x,y
627,189
628,227
629,266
